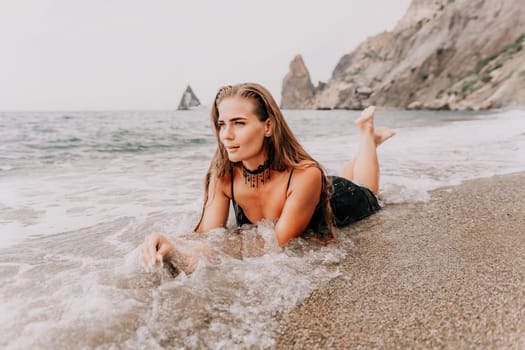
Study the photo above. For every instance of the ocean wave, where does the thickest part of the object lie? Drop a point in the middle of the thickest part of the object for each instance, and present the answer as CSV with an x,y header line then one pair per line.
x,y
98,184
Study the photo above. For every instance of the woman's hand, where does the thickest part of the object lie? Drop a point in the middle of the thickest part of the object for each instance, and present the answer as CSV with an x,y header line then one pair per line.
x,y
155,247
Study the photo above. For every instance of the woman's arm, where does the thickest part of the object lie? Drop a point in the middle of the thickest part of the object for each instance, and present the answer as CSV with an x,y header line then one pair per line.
x,y
215,210
303,197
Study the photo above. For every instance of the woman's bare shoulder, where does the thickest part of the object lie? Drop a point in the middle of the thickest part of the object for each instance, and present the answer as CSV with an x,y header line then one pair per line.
x,y
308,167
307,173
225,183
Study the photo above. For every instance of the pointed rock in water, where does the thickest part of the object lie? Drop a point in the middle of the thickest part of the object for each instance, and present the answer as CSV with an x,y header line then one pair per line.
x,y
188,100
298,90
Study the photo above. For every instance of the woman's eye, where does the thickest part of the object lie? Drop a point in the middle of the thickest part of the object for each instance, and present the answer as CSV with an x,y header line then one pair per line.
x,y
239,123
220,125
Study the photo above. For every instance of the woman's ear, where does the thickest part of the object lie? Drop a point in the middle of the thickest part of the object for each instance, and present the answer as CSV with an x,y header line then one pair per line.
x,y
268,128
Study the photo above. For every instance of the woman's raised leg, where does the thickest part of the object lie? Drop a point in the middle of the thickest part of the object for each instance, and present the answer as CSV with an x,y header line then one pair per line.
x,y
364,168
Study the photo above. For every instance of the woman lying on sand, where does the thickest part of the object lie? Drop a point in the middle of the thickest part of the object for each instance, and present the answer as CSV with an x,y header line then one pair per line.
x,y
262,169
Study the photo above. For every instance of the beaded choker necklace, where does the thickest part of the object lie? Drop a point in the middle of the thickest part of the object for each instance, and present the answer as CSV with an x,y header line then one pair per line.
x,y
252,177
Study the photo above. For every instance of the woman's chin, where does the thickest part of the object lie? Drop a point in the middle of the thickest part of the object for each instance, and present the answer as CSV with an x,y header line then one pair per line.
x,y
234,159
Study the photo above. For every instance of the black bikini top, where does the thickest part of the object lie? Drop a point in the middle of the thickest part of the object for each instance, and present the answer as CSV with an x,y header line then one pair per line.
x,y
242,219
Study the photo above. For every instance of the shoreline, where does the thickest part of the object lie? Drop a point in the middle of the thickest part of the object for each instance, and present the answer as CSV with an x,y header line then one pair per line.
x,y
447,273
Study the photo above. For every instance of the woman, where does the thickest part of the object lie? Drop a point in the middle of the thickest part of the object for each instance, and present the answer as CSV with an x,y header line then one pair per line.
x,y
262,169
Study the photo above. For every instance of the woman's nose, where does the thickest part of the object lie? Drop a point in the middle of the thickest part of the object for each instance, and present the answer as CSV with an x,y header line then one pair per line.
x,y
227,132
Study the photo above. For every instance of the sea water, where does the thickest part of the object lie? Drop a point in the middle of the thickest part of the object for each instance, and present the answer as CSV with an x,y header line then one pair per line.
x,y
79,190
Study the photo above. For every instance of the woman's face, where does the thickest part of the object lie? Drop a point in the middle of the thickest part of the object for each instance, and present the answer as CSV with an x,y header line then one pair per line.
x,y
241,132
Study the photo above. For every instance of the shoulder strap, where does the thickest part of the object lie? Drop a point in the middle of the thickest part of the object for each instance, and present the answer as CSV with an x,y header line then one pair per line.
x,y
231,180
289,179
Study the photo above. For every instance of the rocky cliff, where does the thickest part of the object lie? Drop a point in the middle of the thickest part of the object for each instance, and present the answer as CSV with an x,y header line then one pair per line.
x,y
443,54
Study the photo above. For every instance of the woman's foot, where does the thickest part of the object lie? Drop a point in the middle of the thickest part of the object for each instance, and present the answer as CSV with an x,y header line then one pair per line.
x,y
365,124
382,133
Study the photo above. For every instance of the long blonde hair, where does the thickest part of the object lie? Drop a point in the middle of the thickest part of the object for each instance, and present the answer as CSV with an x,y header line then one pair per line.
x,y
282,147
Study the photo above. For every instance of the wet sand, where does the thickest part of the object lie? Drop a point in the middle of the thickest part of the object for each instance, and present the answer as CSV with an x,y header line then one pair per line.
x,y
449,273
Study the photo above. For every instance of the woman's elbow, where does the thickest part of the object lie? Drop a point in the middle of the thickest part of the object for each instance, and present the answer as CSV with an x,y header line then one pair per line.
x,y
282,240
284,237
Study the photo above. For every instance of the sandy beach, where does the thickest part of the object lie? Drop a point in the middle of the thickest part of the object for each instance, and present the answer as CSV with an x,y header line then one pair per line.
x,y
448,273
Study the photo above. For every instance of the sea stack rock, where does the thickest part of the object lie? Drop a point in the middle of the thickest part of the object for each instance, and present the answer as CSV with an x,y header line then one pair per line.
x,y
297,90
188,100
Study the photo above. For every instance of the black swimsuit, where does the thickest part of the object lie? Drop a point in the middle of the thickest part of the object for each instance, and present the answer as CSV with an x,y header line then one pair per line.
x,y
241,218
350,203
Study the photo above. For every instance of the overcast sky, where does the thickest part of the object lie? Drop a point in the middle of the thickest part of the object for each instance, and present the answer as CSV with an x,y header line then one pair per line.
x,y
130,54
